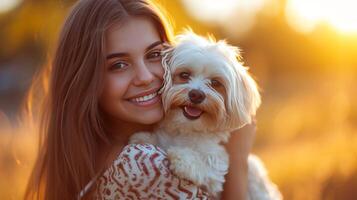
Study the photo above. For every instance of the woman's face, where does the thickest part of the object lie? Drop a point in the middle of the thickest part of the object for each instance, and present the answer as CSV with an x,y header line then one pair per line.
x,y
133,73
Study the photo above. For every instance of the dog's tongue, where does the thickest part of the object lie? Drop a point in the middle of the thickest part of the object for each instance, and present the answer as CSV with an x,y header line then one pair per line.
x,y
192,111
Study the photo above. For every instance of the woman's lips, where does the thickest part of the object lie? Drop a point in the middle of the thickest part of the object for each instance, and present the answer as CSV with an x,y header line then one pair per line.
x,y
146,100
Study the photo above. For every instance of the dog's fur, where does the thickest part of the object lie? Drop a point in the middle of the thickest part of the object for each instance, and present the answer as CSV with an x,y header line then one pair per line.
x,y
225,98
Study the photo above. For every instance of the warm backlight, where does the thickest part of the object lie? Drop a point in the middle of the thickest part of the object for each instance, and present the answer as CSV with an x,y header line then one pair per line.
x,y
305,15
7,5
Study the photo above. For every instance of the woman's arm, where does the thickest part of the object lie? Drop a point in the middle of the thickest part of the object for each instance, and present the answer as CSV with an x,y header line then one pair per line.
x,y
238,148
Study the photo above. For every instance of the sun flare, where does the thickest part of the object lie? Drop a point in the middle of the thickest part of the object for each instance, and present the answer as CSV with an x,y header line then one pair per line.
x,y
304,15
211,9
221,11
7,5
235,16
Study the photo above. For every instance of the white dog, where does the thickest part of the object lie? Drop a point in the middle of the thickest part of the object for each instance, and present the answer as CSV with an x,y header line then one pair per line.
x,y
207,94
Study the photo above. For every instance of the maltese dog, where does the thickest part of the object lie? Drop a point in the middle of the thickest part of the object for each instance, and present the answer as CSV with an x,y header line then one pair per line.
x,y
207,94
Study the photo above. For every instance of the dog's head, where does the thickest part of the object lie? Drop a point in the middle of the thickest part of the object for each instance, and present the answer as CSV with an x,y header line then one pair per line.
x,y
206,87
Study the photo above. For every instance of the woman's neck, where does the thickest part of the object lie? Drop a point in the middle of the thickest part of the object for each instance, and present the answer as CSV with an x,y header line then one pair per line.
x,y
119,131
122,131
118,134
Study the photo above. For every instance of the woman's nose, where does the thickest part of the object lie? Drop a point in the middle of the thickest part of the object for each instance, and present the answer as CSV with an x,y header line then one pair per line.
x,y
143,75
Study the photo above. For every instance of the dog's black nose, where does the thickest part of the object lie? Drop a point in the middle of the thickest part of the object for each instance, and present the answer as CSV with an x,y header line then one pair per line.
x,y
196,96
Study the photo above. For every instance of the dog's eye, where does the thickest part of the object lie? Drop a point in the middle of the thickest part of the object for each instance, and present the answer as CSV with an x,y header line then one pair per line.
x,y
184,75
215,83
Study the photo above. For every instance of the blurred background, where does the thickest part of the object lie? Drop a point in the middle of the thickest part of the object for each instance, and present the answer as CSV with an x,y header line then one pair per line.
x,y
303,54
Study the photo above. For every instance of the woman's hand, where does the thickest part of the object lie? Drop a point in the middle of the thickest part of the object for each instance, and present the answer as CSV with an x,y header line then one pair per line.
x,y
238,148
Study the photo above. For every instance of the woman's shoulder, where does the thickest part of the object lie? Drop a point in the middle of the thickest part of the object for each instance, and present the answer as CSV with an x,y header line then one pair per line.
x,y
142,171
141,153
144,160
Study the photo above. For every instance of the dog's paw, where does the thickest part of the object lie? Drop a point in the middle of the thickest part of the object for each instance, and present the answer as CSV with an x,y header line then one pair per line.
x,y
142,138
186,165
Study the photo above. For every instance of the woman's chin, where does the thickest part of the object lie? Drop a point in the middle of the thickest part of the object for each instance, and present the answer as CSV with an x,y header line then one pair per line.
x,y
149,117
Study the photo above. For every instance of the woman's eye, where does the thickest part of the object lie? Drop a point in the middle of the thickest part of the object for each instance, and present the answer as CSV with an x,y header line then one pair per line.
x,y
215,83
118,66
154,55
184,75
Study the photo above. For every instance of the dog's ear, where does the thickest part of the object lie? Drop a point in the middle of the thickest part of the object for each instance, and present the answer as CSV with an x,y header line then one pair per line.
x,y
243,98
166,63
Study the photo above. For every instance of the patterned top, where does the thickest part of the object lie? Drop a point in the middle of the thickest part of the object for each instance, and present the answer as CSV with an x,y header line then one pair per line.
x,y
141,171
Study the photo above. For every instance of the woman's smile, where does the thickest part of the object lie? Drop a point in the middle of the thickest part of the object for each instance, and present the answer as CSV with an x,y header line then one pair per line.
x,y
146,99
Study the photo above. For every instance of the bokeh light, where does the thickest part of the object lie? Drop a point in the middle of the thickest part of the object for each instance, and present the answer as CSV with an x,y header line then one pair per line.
x,y
7,5
305,15
235,16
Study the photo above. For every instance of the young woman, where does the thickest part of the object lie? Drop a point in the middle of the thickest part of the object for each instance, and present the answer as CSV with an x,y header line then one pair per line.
x,y
103,88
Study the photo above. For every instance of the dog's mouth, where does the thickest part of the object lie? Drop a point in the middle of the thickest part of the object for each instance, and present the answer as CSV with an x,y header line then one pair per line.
x,y
191,112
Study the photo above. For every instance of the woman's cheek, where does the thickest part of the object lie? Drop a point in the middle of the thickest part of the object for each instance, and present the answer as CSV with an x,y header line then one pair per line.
x,y
115,87
157,69
119,86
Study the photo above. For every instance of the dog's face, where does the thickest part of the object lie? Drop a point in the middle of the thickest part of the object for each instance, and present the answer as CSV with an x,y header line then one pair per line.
x,y
206,88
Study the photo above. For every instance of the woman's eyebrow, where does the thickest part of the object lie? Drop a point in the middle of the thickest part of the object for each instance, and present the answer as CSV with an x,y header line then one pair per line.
x,y
151,46
114,55
118,55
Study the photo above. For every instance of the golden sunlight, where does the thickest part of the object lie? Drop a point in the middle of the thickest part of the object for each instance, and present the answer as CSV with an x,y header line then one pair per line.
x,y
305,15
7,5
235,16
211,10
220,11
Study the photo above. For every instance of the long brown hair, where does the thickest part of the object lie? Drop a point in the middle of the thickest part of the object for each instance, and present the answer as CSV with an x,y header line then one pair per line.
x,y
70,125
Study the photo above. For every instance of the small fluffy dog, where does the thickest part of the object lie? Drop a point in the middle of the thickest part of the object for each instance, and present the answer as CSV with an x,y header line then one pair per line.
x,y
207,94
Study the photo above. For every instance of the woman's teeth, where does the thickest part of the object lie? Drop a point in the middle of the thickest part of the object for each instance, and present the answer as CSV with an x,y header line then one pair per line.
x,y
145,98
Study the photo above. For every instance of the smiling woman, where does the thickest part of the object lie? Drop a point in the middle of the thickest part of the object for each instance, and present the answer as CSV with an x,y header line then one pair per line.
x,y
134,74
103,85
